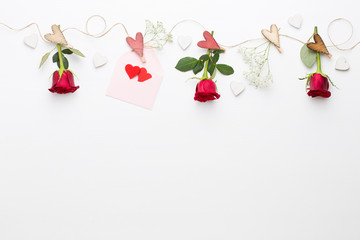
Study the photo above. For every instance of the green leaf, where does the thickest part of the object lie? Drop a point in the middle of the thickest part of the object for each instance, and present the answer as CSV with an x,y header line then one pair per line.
x,y
67,51
199,66
225,69
211,68
44,58
204,57
77,52
66,63
55,58
186,64
215,58
308,56
219,51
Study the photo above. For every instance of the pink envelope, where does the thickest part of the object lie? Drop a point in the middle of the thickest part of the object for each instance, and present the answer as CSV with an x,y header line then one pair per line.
x,y
129,90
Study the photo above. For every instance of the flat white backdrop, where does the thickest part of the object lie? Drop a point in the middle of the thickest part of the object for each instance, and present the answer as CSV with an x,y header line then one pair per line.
x,y
269,164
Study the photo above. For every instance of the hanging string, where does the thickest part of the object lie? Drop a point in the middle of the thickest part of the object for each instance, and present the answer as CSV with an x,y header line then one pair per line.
x,y
346,41
21,29
105,31
101,34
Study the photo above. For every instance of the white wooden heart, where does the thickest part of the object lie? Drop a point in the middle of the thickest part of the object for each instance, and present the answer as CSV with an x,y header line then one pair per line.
x,y
184,41
342,64
99,60
31,40
272,36
57,36
296,21
237,87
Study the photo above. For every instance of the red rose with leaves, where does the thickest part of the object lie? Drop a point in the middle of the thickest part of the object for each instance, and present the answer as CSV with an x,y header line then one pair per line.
x,y
63,79
206,88
317,83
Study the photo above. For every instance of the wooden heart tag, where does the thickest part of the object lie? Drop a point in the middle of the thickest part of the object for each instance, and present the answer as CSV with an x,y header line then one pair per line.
x,y
57,36
209,42
137,45
319,45
273,36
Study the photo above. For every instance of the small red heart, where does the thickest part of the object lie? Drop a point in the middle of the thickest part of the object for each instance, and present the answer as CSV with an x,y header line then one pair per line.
x,y
209,42
132,71
144,75
137,44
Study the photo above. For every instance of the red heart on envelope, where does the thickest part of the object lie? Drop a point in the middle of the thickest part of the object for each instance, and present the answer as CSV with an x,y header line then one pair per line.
x,y
132,71
209,42
144,75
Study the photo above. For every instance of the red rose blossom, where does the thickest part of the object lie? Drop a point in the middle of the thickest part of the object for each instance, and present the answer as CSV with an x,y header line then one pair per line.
x,y
206,91
319,86
63,85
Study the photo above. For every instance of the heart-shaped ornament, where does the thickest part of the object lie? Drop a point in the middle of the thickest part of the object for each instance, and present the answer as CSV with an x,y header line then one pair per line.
x,y
57,36
144,75
132,71
319,46
296,21
237,87
99,60
184,42
31,40
137,45
273,36
209,42
342,64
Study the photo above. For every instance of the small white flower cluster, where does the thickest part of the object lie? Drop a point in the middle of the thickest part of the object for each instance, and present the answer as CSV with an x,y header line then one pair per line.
x,y
256,61
157,34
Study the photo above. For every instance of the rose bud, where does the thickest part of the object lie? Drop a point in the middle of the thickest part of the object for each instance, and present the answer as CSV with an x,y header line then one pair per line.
x,y
63,85
206,91
318,86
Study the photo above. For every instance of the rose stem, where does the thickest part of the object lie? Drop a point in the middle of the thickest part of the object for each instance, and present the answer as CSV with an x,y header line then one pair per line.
x,y
318,56
205,75
62,68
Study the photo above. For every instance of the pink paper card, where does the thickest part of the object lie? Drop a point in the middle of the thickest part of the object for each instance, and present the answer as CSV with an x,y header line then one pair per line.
x,y
132,91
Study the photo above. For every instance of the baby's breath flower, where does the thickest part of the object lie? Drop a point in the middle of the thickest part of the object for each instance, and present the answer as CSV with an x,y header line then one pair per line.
x,y
157,35
256,60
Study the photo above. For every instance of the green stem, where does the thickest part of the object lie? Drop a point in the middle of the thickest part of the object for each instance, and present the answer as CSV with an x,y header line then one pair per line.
x,y
318,56
60,57
205,75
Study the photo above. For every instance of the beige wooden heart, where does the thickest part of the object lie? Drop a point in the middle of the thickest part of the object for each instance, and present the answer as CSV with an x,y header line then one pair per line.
x,y
272,36
57,36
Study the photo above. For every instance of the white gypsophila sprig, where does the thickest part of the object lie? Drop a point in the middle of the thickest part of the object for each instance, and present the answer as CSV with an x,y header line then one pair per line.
x,y
157,35
256,58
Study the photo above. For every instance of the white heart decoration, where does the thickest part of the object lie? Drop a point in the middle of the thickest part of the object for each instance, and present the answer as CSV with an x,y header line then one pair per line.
x,y
342,64
296,21
237,87
31,40
99,60
184,41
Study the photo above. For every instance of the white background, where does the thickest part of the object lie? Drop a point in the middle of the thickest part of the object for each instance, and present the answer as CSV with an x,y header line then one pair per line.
x,y
269,164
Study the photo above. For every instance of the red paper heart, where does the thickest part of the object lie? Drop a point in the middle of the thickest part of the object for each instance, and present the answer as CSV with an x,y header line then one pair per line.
x,y
209,42
144,75
132,71
138,44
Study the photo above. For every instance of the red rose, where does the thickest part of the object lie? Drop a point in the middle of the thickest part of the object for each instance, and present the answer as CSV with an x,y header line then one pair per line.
x,y
63,85
206,91
319,86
